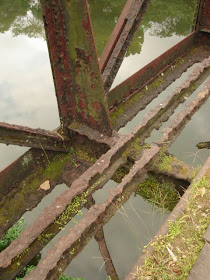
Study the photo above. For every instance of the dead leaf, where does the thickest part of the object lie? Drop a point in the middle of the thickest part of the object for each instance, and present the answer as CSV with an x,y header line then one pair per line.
x,y
202,191
45,186
177,271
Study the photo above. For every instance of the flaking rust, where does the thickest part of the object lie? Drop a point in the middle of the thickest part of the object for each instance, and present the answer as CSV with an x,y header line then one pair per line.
x,y
77,78
83,110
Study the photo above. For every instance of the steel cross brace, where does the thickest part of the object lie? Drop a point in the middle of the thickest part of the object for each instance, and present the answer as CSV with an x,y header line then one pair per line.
x,y
77,76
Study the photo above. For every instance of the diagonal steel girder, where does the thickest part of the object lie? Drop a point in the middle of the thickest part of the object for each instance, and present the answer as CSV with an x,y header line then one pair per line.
x,y
77,78
121,37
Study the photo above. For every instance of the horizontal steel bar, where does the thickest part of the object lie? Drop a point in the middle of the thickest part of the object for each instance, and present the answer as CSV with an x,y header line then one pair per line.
x,y
120,39
36,138
24,166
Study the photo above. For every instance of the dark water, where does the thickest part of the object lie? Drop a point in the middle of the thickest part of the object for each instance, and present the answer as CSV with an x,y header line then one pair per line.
x,y
27,97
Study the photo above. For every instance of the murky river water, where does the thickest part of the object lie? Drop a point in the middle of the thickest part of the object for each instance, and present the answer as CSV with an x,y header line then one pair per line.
x,y
27,98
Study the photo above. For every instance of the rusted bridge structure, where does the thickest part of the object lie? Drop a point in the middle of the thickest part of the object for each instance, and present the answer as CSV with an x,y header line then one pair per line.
x,y
86,150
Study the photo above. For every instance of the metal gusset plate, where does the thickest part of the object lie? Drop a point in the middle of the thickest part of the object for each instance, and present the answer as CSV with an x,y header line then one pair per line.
x,y
29,137
77,77
121,37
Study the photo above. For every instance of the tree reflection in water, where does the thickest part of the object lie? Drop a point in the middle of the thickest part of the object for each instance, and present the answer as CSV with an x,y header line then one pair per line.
x,y
163,19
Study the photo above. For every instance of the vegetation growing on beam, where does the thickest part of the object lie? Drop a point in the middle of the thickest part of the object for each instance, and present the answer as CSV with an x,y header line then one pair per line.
x,y
12,234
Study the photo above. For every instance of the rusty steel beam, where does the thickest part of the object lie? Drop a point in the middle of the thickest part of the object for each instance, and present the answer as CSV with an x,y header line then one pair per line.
x,y
77,78
57,259
115,35
171,132
24,166
103,248
132,107
141,78
92,221
203,16
29,137
97,175
120,39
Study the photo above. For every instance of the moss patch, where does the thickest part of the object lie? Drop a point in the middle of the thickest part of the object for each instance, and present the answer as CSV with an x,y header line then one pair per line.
x,y
12,234
160,194
184,239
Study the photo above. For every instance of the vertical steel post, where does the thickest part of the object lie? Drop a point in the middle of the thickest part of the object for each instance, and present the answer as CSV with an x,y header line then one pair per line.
x,y
77,78
203,16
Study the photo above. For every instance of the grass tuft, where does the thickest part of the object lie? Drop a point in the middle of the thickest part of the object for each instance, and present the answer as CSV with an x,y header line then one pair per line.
x,y
184,239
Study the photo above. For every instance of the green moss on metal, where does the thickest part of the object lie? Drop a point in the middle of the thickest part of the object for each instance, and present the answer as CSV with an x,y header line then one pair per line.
x,y
30,186
155,83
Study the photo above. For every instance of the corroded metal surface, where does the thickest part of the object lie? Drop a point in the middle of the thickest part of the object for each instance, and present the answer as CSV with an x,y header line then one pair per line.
x,y
115,35
74,62
24,166
122,36
84,113
170,134
92,220
94,135
91,176
36,138
203,17
183,116
134,83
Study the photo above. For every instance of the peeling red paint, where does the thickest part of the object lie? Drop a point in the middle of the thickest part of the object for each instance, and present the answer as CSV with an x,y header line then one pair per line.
x,y
93,86
69,72
96,105
85,24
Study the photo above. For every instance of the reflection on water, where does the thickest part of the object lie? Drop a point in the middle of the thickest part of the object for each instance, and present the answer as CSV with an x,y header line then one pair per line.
x,y
26,85
128,231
